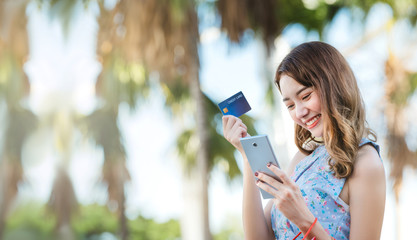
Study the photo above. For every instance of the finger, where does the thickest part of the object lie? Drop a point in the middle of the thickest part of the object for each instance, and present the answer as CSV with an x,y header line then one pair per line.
x,y
243,125
244,133
267,188
239,130
269,179
227,121
236,134
279,173
231,120
224,122
234,123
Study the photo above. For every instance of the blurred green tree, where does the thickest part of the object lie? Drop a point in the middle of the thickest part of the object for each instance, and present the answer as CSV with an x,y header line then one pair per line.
x,y
140,38
165,36
92,222
162,37
14,87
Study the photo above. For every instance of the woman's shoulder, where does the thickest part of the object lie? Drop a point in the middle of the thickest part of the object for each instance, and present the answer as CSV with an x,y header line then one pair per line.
x,y
368,164
366,192
368,156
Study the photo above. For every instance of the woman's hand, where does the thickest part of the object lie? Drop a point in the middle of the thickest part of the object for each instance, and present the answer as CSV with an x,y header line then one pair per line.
x,y
288,198
233,130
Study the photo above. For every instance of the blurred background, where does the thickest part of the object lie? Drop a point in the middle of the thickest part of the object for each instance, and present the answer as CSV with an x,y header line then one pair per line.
x,y
109,120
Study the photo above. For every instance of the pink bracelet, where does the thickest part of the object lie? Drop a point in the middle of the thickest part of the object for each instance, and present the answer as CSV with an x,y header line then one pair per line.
x,y
308,231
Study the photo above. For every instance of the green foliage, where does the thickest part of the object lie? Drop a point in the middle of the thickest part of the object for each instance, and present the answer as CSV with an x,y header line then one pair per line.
x,y
232,230
413,85
177,94
101,125
20,124
405,91
123,81
178,8
143,228
94,219
220,150
64,11
187,149
227,234
13,81
32,221
290,12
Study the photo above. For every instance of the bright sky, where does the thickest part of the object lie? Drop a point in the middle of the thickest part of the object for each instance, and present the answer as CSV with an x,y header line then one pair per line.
x,y
63,72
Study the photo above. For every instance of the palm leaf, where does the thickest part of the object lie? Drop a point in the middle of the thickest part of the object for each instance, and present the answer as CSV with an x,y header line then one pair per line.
x,y
63,10
269,17
101,125
121,81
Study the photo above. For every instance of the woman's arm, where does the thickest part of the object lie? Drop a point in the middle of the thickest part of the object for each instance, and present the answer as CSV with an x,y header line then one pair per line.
x,y
255,225
367,195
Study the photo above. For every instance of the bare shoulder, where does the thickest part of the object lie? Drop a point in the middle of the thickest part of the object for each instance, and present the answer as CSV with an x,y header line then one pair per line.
x,y
368,163
368,173
367,190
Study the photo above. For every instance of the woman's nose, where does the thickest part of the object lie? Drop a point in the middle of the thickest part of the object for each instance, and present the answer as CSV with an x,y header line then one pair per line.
x,y
301,111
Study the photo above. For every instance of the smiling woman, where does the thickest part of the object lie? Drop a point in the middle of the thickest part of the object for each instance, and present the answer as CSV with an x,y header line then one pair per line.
x,y
299,100
335,185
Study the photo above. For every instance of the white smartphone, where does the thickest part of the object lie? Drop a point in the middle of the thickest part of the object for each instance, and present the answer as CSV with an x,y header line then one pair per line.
x,y
259,152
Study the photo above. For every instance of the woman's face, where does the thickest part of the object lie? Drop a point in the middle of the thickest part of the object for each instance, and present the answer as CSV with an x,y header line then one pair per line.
x,y
303,104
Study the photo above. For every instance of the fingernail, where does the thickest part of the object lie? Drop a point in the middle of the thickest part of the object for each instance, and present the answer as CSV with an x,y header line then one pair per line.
x,y
256,174
268,165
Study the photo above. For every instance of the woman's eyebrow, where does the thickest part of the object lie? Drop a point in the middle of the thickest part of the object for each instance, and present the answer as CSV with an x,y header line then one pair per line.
x,y
298,92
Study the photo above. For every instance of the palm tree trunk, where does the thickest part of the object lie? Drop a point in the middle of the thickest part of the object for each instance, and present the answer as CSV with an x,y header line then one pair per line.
x,y
195,221
397,227
124,228
63,203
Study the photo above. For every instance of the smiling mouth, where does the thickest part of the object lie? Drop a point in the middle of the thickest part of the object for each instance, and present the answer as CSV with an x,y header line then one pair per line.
x,y
313,122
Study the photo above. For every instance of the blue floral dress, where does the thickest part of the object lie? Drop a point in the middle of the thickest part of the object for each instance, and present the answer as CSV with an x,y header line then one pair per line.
x,y
321,190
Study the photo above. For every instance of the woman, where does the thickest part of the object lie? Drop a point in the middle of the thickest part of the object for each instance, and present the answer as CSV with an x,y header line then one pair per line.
x,y
334,187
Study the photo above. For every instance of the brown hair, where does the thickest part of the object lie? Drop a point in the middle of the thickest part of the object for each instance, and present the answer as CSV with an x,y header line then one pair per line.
x,y
319,65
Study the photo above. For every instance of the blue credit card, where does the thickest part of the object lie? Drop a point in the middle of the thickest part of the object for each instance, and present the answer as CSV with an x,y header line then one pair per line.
x,y
235,105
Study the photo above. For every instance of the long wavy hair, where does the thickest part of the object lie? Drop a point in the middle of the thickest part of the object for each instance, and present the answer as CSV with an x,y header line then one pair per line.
x,y
321,66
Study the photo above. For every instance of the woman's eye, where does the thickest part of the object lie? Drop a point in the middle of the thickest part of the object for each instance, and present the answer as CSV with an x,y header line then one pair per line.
x,y
306,96
290,106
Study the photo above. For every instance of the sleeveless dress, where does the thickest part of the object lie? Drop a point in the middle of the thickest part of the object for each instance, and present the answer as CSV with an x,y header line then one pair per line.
x,y
321,190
